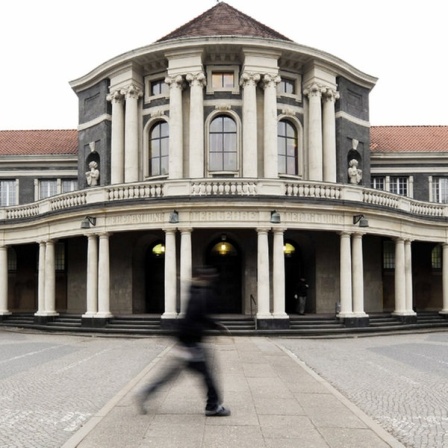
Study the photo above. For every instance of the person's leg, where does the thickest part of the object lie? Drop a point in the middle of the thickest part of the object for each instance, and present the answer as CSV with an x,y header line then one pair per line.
x,y
172,370
302,301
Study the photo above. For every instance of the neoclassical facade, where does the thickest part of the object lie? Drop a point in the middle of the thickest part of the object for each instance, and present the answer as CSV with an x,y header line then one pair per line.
x,y
223,143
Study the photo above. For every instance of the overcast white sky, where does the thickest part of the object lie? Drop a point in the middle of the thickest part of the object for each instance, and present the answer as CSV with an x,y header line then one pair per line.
x,y
45,44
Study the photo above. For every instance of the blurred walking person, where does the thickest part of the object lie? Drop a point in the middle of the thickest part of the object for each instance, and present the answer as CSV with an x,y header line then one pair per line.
x,y
190,353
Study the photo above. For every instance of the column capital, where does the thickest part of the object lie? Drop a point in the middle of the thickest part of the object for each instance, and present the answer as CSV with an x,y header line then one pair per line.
x,y
270,80
345,233
175,82
169,230
279,229
132,91
314,90
330,95
196,79
249,79
185,229
115,96
263,229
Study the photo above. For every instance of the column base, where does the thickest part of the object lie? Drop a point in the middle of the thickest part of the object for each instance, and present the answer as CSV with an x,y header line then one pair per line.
x,y
444,314
168,323
272,324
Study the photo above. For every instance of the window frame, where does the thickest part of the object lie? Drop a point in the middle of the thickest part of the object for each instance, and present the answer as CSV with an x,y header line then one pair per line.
x,y
160,157
286,156
12,193
155,79
214,69
436,188
294,78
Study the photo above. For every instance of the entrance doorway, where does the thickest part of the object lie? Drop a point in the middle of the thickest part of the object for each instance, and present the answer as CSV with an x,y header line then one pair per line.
x,y
225,256
155,278
293,272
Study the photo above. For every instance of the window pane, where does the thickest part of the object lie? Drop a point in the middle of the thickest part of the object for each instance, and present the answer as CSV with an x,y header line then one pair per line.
x,y
216,161
436,257
282,164
7,193
388,255
69,185
228,80
216,142
291,168
159,149
164,165
230,161
229,142
377,183
228,125
47,188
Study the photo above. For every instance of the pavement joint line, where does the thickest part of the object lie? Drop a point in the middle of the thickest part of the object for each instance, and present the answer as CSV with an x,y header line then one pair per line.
x,y
369,421
82,433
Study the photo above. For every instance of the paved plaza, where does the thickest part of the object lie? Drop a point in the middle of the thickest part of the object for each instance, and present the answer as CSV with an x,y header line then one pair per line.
x,y
62,390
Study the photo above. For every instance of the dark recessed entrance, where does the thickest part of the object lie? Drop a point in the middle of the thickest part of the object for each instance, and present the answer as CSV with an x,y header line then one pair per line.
x,y
155,279
225,256
293,272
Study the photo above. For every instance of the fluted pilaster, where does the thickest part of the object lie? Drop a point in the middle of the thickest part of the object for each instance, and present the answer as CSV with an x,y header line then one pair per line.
x,y
329,135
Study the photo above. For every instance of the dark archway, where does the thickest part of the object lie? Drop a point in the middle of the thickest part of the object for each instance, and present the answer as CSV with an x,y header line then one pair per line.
x,y
155,278
293,272
225,256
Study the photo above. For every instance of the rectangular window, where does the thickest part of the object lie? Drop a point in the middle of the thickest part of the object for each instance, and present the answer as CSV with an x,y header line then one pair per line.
x,y
378,182
8,193
48,188
440,190
222,80
59,256
399,185
12,260
436,257
69,185
159,87
286,86
388,255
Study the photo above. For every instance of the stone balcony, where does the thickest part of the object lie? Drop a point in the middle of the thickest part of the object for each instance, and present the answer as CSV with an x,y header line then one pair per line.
x,y
230,187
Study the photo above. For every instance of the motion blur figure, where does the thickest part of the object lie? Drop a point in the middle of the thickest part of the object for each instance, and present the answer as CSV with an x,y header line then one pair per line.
x,y
190,352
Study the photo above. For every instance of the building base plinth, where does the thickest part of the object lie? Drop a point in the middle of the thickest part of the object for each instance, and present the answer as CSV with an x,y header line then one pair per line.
x,y
272,324
94,322
44,319
356,321
406,318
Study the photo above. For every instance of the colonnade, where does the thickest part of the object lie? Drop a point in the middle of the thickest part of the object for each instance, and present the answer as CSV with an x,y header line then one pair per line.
x,y
98,275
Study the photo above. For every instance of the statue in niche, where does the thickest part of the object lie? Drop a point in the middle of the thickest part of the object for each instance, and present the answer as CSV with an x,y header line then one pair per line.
x,y
93,175
354,173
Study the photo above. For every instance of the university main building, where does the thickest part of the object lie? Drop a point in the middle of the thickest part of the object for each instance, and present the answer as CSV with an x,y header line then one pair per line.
x,y
224,143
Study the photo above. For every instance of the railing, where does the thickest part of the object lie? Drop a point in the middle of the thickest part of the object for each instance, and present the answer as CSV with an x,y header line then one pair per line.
x,y
226,187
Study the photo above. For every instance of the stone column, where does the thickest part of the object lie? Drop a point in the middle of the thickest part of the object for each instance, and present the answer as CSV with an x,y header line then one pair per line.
x,y
445,278
185,267
329,135
131,136
104,278
358,276
400,278
278,274
117,138
4,281
270,126
41,281
92,276
250,149
345,276
314,94
263,285
176,128
196,156
408,277
50,280
170,275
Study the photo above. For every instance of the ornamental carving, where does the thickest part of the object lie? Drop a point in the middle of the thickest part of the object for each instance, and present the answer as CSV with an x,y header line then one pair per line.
x,y
176,82
271,80
197,79
314,90
132,91
115,96
249,79
330,95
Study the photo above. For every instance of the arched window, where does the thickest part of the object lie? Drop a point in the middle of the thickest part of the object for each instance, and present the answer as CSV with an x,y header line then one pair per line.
x,y
223,144
287,148
158,149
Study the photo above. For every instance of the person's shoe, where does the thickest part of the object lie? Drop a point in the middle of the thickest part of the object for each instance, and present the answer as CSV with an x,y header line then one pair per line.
x,y
219,411
140,404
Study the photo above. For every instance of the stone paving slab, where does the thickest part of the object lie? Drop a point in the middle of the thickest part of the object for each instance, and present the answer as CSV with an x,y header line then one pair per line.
x,y
276,402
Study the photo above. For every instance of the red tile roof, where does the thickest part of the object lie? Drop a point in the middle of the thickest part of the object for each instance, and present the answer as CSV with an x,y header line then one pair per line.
x,y
44,142
409,138
224,20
